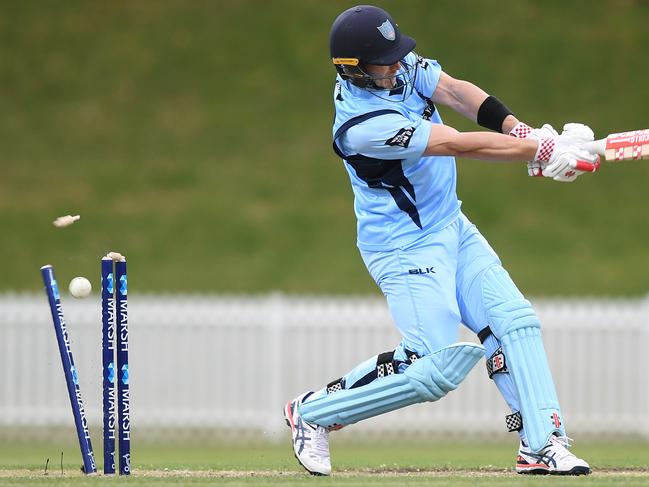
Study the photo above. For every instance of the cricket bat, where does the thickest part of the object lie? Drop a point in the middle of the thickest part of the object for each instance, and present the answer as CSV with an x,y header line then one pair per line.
x,y
625,146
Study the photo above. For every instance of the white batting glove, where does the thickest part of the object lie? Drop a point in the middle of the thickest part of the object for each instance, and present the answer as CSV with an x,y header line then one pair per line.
x,y
577,133
523,131
564,162
559,156
535,168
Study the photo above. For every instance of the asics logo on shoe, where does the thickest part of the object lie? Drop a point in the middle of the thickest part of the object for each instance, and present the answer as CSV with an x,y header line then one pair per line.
x,y
310,442
301,434
543,459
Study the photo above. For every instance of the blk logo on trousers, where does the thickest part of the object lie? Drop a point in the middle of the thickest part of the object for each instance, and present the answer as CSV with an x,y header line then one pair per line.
x,y
424,270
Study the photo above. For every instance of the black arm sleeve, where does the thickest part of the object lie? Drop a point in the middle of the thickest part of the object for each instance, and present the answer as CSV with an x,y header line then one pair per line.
x,y
492,114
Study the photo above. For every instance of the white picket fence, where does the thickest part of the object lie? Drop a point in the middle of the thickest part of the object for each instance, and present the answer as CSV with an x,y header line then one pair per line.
x,y
230,362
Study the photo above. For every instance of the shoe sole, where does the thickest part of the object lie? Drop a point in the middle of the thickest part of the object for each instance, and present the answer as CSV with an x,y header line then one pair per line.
x,y
288,417
574,471
533,471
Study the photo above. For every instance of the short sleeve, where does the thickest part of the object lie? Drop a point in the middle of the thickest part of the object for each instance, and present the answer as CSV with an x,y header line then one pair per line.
x,y
428,73
388,137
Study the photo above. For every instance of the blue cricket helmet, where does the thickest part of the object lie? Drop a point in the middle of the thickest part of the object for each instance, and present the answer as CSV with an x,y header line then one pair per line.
x,y
366,35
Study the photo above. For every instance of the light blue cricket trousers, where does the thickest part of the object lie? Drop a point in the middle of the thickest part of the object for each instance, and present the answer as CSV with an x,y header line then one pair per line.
x,y
431,288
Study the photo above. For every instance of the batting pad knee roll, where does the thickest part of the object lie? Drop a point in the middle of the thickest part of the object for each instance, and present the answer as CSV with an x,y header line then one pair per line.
x,y
507,309
428,379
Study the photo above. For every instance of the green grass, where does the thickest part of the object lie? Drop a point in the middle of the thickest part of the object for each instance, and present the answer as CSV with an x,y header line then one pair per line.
x,y
195,138
442,462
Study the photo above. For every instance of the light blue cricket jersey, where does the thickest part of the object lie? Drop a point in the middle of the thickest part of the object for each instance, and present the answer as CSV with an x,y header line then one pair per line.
x,y
399,196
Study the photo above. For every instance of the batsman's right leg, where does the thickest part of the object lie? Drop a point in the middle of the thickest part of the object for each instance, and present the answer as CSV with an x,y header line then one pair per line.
x,y
376,386
310,441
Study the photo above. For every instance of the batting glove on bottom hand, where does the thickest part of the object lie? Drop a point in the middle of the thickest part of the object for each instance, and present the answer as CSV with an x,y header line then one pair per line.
x,y
557,156
564,162
574,134
523,131
568,163
535,168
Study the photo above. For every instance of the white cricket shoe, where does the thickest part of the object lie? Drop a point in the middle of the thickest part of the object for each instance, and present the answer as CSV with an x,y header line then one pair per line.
x,y
554,458
310,441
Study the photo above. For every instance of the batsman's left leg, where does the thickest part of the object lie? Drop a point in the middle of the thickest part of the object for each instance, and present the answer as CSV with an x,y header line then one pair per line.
x,y
494,308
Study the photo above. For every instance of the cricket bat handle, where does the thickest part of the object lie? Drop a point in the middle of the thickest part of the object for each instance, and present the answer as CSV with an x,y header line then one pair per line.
x,y
625,146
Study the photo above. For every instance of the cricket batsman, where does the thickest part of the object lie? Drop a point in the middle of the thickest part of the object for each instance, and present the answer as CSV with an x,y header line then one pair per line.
x,y
432,264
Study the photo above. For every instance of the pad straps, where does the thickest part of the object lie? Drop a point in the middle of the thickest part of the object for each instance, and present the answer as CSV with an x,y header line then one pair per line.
x,y
496,363
386,365
514,422
484,334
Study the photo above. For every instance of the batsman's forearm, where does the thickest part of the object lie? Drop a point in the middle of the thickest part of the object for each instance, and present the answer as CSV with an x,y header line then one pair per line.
x,y
482,145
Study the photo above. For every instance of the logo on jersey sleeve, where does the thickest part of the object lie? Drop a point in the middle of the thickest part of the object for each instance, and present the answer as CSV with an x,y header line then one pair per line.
x,y
402,137
422,62
338,92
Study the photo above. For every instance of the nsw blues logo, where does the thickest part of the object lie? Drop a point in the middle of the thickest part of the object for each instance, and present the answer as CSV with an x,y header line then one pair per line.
x,y
402,137
387,30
